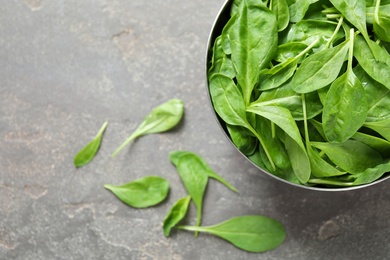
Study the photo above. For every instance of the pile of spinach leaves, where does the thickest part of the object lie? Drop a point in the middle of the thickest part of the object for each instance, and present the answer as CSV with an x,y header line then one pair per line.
x,y
302,87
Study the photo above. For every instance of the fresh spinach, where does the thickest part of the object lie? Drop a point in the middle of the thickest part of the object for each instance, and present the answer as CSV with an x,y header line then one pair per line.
x,y
314,110
381,22
345,108
176,214
320,69
248,43
195,173
85,155
280,8
162,118
143,192
253,233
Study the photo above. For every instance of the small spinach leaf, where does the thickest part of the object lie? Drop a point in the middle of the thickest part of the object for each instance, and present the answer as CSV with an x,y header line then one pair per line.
x,y
253,47
381,127
176,214
320,69
243,139
360,156
253,233
372,174
220,62
195,181
162,118
378,67
203,167
283,118
378,96
143,192
381,22
85,155
298,9
280,8
345,108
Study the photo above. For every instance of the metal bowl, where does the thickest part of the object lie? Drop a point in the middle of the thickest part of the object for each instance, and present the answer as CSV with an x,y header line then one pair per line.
x,y
220,21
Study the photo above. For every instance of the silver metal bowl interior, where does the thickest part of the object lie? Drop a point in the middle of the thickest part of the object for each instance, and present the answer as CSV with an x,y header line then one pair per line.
x,y
220,21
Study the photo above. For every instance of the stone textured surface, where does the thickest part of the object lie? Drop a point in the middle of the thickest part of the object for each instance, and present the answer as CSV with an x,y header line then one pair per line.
x,y
65,68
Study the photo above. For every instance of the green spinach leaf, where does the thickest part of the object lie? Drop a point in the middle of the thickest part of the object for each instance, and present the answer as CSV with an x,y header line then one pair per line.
x,y
252,47
378,67
253,233
85,155
176,214
372,174
345,108
320,69
143,192
162,118
360,156
281,10
381,22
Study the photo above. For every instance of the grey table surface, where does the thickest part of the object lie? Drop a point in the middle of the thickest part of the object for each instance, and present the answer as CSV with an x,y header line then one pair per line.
x,y
68,66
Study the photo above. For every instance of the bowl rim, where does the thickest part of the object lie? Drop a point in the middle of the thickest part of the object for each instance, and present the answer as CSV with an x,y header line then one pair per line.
x,y
210,42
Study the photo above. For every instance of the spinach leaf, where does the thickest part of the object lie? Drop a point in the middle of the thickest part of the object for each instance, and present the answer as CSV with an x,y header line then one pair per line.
x,y
253,47
320,69
230,105
253,233
360,156
176,214
378,67
376,143
378,96
220,62
309,31
289,50
227,100
283,118
194,172
279,74
355,12
320,167
372,174
286,97
143,192
85,155
345,108
281,10
195,181
176,156
298,9
162,118
273,144
243,139
381,127
381,22
300,161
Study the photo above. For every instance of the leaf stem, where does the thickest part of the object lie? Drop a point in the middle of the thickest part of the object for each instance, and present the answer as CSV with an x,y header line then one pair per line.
x,y
333,16
192,228
305,120
128,140
102,129
262,145
331,182
350,51
335,32
376,12
198,220
308,48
